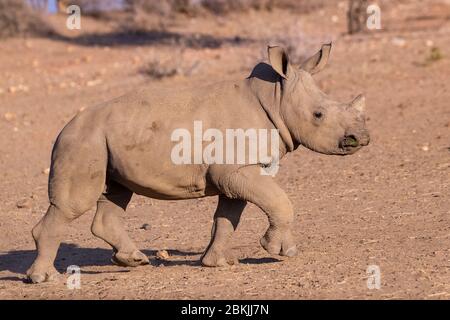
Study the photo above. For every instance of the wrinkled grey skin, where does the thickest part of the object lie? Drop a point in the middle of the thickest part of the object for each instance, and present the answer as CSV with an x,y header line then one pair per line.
x,y
108,152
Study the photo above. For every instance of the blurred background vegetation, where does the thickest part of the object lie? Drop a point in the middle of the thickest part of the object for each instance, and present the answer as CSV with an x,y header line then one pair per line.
x,y
27,17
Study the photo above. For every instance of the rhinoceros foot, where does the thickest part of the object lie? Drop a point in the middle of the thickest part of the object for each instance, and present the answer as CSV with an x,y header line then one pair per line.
x,y
216,258
38,274
130,259
279,244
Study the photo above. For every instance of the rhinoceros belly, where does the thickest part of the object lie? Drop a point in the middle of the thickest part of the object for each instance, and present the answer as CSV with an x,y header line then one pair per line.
x,y
149,171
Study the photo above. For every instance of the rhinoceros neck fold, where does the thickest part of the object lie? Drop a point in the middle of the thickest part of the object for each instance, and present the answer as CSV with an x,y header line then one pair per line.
x,y
268,94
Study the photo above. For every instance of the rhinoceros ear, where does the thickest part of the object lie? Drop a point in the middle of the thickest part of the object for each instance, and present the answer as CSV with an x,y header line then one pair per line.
x,y
279,60
318,61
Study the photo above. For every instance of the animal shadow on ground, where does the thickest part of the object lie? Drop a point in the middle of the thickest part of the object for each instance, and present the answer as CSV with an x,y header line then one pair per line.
x,y
152,37
70,254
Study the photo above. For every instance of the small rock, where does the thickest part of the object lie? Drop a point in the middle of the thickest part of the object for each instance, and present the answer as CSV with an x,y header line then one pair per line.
x,y
86,59
46,171
400,42
24,203
92,83
20,87
145,226
429,43
162,255
23,88
444,166
425,148
10,116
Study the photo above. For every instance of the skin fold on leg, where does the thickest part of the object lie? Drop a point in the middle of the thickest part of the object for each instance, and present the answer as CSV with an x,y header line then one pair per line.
x,y
226,220
107,225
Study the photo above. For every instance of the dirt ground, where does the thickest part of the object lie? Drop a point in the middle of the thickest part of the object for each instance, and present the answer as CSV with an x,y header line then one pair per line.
x,y
388,205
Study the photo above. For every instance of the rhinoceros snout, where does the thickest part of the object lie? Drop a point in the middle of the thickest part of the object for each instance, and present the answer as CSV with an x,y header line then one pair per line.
x,y
352,142
364,139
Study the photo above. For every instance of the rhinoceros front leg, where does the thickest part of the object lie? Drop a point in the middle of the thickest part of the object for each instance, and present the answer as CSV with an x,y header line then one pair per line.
x,y
107,225
226,220
248,184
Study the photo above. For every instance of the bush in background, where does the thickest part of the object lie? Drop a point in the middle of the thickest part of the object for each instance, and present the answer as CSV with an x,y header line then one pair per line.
x,y
17,18
192,7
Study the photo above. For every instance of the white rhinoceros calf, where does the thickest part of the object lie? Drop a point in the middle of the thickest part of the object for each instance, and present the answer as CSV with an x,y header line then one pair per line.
x,y
110,151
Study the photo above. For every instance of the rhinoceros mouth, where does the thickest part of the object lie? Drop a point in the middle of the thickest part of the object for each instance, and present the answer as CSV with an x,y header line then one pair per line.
x,y
349,144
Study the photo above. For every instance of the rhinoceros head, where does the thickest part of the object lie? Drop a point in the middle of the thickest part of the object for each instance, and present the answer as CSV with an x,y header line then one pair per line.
x,y
310,116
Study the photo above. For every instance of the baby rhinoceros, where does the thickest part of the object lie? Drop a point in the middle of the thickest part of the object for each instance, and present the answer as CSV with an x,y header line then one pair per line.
x,y
110,151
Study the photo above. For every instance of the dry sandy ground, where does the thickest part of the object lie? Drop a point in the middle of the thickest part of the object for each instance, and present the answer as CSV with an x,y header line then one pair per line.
x,y
387,205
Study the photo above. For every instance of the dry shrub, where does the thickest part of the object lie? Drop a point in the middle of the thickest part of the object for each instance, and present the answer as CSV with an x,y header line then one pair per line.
x,y
302,6
142,15
224,6
163,7
175,64
220,7
227,6
156,69
17,18
100,9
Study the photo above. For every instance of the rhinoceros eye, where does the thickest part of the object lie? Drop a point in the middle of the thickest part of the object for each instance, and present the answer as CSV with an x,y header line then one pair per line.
x,y
318,115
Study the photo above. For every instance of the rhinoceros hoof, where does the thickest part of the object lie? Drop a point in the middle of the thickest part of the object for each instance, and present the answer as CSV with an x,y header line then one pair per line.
x,y
42,274
213,258
130,259
279,247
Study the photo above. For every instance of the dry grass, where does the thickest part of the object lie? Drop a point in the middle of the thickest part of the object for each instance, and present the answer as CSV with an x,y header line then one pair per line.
x,y
157,70
175,65
18,19
220,7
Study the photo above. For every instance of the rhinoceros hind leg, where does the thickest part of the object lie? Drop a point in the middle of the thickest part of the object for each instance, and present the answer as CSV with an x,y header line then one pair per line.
x,y
107,225
77,179
226,220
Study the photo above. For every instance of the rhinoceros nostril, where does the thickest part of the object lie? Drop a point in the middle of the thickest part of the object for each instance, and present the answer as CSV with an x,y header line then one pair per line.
x,y
365,140
349,141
